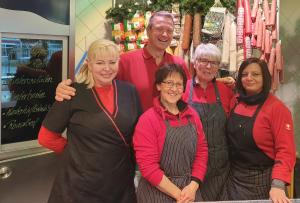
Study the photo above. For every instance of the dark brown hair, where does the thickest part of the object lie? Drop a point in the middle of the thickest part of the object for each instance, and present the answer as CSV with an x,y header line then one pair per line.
x,y
166,70
267,80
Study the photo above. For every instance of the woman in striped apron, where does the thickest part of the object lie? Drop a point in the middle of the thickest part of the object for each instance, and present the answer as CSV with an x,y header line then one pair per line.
x,y
211,99
170,147
261,138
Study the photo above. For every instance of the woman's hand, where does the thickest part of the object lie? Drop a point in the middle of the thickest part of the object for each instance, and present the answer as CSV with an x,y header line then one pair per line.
x,y
188,193
278,195
228,81
168,187
64,91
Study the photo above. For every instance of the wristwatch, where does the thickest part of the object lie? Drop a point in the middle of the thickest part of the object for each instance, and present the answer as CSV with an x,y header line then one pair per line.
x,y
278,184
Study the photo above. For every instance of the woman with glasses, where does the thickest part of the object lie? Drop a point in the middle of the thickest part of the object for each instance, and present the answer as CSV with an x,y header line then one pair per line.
x,y
211,99
97,155
170,147
260,137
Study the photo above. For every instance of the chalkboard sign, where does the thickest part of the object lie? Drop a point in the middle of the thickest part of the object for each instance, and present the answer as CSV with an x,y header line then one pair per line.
x,y
31,70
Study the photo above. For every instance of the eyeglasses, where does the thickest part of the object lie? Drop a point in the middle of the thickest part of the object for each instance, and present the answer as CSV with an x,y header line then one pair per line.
x,y
205,62
253,75
170,84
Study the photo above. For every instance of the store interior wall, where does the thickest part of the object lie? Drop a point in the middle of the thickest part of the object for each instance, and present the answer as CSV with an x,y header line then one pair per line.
x,y
289,92
290,36
90,24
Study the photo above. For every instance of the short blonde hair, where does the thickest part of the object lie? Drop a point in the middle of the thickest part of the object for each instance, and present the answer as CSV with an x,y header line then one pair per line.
x,y
207,50
100,47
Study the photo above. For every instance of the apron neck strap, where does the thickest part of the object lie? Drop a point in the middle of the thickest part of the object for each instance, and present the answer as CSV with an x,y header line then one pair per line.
x,y
192,82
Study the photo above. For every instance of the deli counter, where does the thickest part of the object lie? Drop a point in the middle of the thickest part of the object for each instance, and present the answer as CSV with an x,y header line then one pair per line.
x,y
37,52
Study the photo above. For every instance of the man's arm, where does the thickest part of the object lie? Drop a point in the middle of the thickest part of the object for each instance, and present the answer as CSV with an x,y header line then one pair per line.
x,y
64,91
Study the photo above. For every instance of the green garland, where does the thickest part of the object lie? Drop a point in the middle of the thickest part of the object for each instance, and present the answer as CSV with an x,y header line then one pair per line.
x,y
196,6
119,13
125,11
160,5
230,5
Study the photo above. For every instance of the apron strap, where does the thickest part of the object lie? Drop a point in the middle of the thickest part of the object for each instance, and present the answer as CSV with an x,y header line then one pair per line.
x,y
232,110
257,110
255,113
218,98
192,82
167,123
190,99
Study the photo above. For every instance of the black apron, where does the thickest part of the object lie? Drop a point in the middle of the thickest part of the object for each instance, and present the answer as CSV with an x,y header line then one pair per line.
x,y
97,161
176,161
250,171
213,118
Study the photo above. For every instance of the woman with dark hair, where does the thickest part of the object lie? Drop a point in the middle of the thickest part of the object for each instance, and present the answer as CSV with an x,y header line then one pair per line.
x,y
260,137
266,77
170,147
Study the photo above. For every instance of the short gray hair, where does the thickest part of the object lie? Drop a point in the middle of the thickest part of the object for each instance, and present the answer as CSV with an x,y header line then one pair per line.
x,y
165,14
207,50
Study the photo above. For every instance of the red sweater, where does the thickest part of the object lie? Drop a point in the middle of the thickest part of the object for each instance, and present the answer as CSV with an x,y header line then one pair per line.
x,y
51,140
208,95
138,67
149,137
274,134
106,95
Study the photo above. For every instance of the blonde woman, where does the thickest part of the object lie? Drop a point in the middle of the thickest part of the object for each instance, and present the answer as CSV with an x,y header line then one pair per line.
x,y
97,155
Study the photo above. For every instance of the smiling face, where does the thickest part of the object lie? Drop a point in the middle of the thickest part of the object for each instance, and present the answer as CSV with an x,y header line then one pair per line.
x,y
171,89
160,33
252,79
206,68
104,69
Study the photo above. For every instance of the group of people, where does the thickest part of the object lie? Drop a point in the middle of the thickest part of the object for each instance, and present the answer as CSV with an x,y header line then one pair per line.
x,y
192,138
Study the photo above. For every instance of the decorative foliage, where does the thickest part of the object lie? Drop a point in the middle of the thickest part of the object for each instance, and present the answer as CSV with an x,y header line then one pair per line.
x,y
230,5
122,12
160,5
125,11
195,6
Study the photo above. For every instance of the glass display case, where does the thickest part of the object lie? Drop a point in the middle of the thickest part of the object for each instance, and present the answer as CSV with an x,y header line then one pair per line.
x,y
31,68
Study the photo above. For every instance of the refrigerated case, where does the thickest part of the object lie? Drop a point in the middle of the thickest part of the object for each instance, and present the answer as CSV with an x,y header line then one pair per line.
x,y
37,52
31,67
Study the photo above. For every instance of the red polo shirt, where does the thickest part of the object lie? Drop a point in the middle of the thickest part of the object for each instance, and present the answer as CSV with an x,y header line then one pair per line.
x,y
138,67
208,95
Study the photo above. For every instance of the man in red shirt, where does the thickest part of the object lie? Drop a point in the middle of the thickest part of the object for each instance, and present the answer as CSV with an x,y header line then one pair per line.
x,y
138,67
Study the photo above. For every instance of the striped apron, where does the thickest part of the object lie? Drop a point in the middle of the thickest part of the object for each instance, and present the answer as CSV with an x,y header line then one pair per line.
x,y
213,118
176,161
250,170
